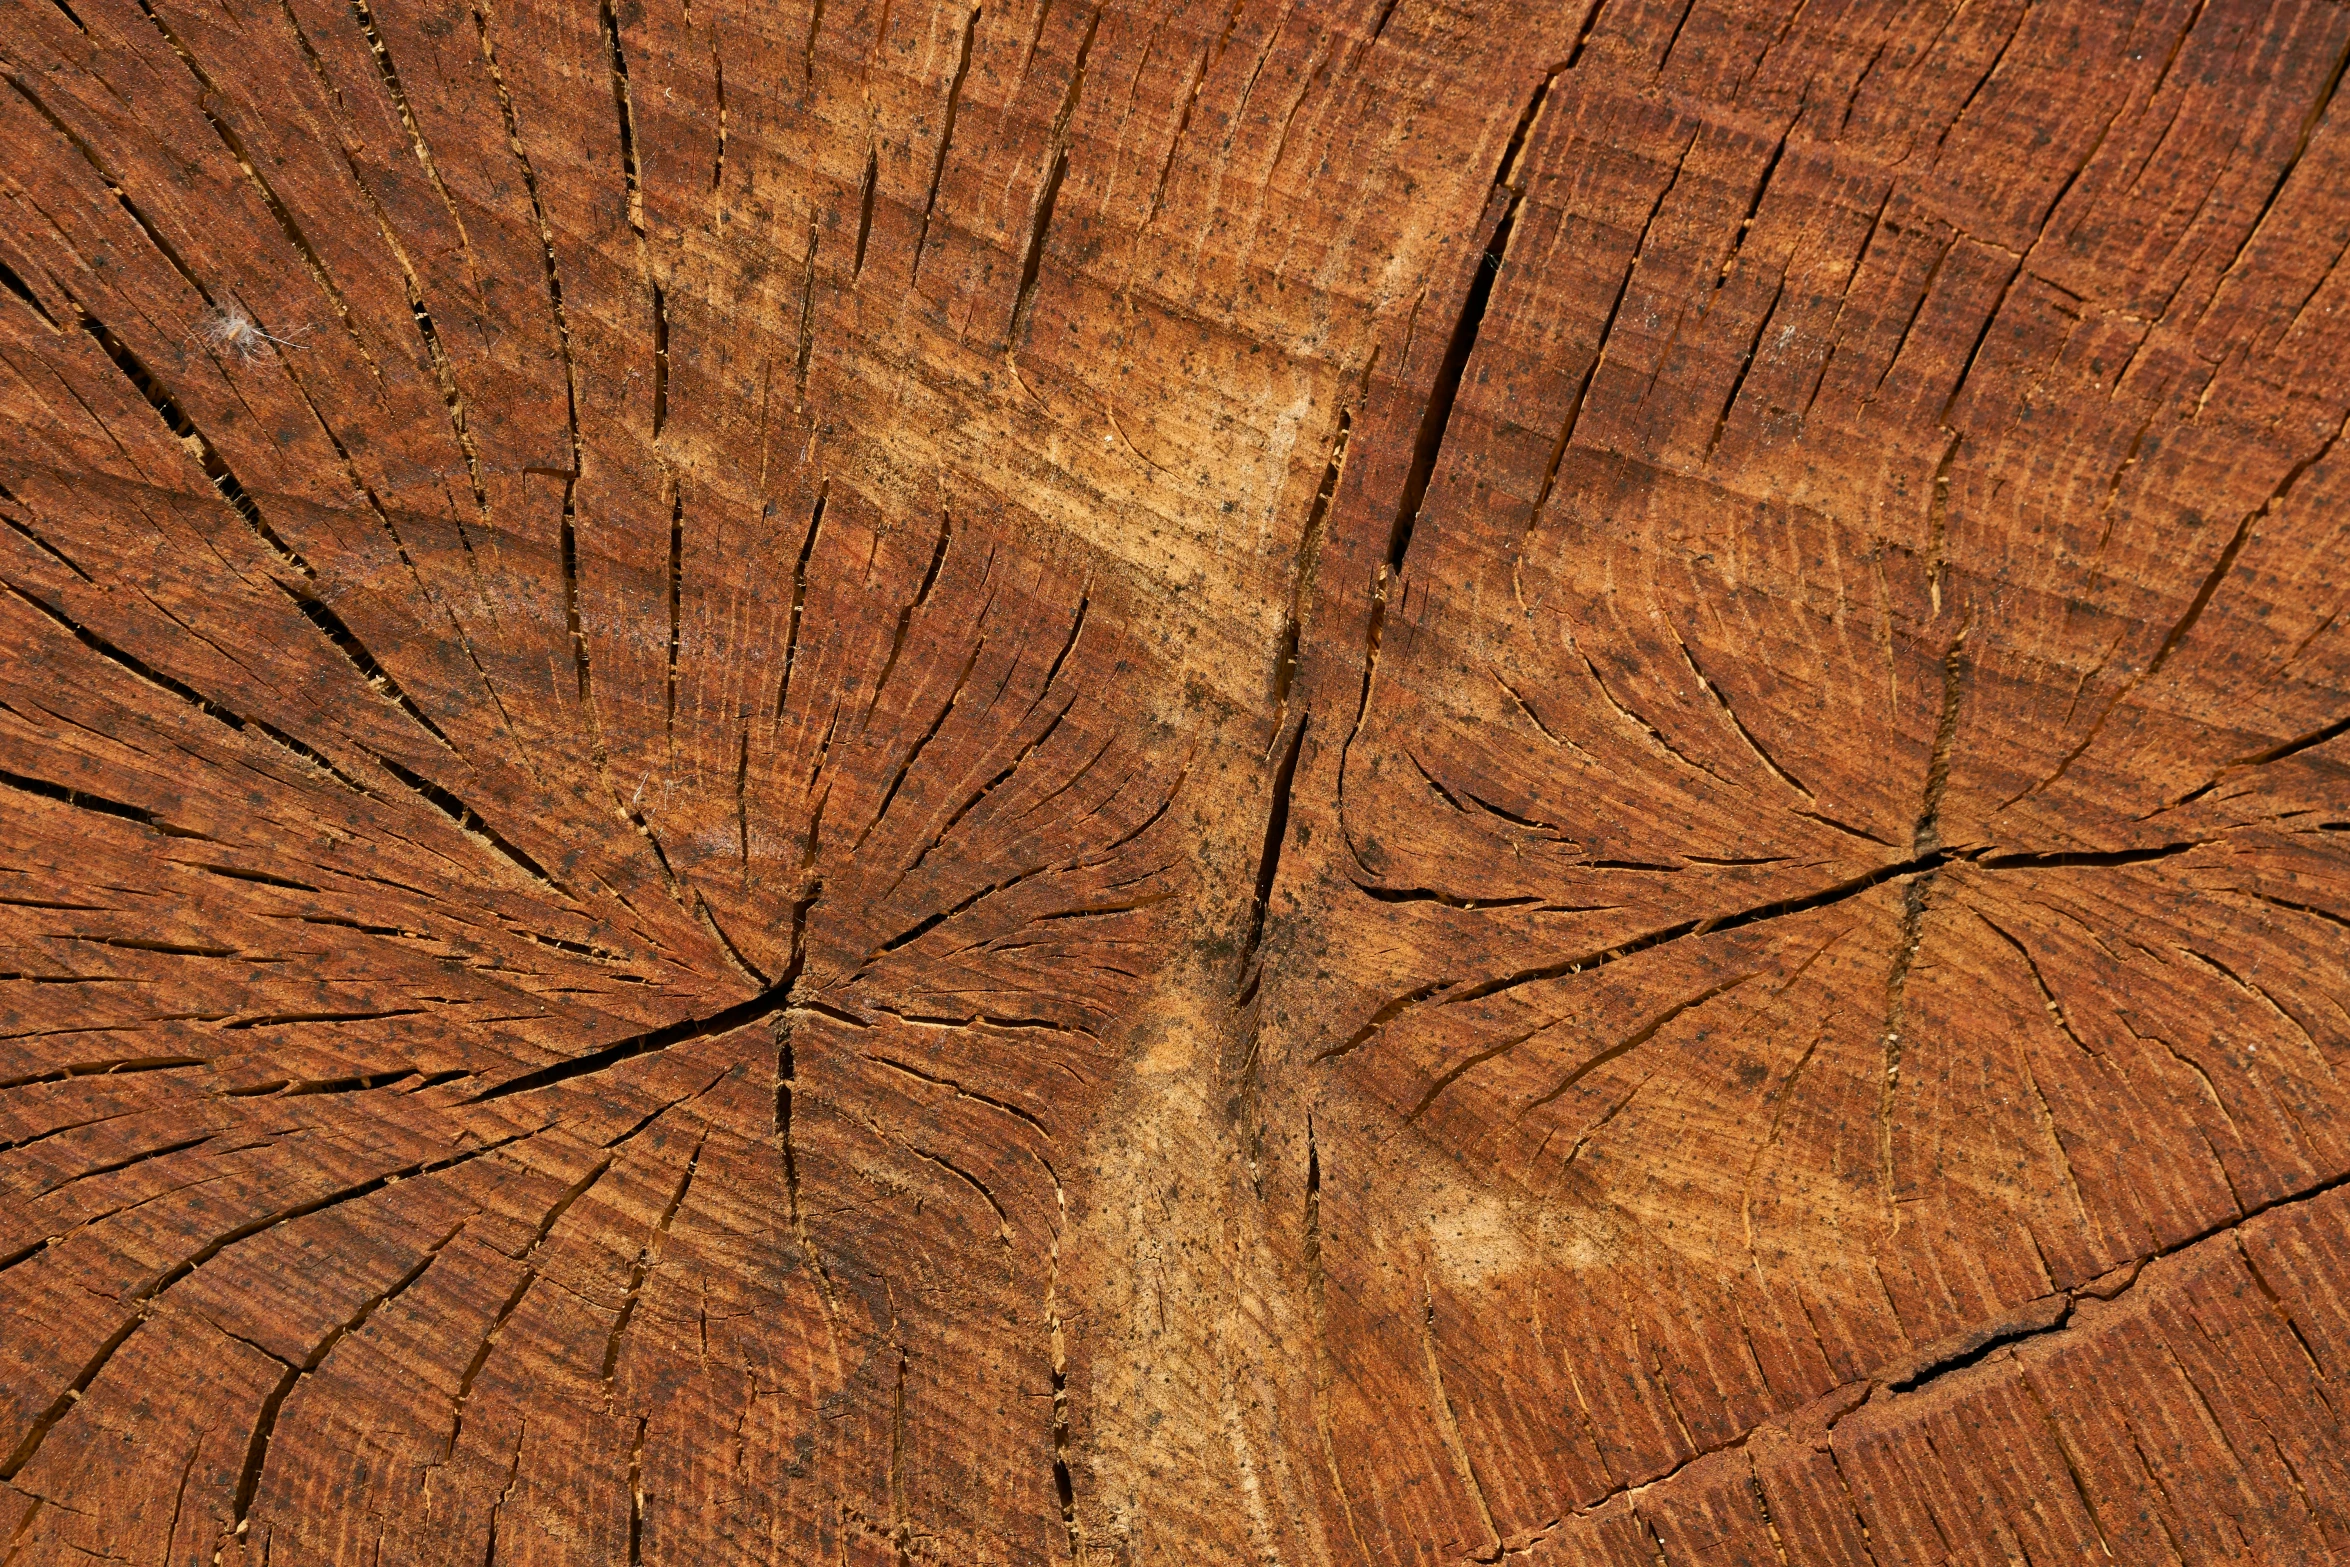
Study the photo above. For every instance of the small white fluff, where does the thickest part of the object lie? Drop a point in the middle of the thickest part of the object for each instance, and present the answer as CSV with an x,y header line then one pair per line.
x,y
227,329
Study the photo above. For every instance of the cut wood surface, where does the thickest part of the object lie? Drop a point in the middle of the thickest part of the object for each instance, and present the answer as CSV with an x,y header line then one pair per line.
x,y
1355,782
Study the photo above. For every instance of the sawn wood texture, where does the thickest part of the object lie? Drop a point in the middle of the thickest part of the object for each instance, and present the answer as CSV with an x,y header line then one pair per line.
x,y
1356,782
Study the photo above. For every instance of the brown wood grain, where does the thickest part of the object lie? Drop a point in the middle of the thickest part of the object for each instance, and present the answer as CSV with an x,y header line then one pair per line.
x,y
871,782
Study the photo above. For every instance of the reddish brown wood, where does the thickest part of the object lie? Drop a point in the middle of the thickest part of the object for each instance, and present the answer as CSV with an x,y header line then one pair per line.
x,y
867,782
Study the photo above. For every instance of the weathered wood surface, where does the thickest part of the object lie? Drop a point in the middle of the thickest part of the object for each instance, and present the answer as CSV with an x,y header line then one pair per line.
x,y
1340,783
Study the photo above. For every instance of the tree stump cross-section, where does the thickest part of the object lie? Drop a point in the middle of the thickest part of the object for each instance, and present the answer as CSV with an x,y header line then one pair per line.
x,y
1359,782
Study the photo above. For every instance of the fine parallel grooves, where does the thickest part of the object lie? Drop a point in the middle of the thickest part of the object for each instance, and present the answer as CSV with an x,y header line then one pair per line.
x,y
470,822
332,626
428,331
265,1423
913,754
139,1297
114,187
647,1255
928,923
216,469
1826,897
946,139
15,284
1607,327
210,102
1048,194
1436,412
1506,844
897,643
531,1267
140,670
84,800
1210,53
799,602
979,796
